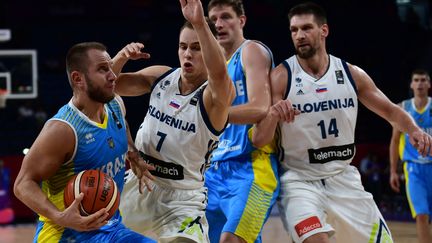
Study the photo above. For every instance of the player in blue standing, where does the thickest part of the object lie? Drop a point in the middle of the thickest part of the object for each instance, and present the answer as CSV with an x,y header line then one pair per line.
x,y
418,169
242,180
89,132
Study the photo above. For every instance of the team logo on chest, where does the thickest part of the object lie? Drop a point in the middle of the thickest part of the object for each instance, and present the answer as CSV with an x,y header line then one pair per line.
x,y
110,142
299,83
89,138
339,77
163,84
300,92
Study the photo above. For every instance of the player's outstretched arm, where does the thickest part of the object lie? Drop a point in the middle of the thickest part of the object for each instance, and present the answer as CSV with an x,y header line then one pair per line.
x,y
220,92
377,101
41,162
135,83
132,51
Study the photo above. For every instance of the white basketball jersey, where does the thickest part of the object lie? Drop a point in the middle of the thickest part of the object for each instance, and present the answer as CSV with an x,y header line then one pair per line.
x,y
320,142
176,136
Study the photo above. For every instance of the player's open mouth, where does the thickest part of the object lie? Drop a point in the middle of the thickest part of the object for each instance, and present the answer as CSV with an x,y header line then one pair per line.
x,y
187,66
222,35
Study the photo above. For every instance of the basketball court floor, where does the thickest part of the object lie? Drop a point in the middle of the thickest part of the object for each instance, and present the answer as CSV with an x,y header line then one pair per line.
x,y
273,232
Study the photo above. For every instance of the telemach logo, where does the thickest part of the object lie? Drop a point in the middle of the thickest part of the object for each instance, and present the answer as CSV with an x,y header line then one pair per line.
x,y
327,154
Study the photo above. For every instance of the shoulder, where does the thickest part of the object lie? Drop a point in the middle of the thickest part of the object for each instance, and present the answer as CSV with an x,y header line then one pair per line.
x,y
279,76
361,79
356,71
255,45
55,128
254,49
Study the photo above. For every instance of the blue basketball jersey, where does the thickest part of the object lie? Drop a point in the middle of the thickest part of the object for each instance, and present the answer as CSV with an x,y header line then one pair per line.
x,y
234,140
423,119
97,146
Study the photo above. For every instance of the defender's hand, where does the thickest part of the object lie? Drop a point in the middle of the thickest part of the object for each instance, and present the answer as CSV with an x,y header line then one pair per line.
x,y
133,51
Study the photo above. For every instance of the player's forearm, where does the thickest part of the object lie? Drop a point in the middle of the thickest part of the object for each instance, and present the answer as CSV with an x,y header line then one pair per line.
x,y
394,153
402,121
263,132
131,144
211,52
118,62
30,194
247,114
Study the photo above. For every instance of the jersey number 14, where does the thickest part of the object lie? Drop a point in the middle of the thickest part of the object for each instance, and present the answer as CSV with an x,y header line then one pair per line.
x,y
332,128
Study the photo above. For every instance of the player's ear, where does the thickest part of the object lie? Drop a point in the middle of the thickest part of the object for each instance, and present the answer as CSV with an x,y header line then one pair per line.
x,y
324,30
242,20
77,78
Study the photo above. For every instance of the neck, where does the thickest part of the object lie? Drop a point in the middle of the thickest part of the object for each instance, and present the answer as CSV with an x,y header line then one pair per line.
x,y
187,86
95,111
315,66
420,101
230,48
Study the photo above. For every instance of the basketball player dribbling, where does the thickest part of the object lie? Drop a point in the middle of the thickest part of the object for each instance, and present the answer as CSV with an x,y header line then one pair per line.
x,y
315,100
89,132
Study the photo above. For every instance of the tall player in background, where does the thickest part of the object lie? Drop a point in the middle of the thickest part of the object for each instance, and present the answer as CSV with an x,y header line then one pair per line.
x,y
89,132
242,181
315,101
187,112
418,169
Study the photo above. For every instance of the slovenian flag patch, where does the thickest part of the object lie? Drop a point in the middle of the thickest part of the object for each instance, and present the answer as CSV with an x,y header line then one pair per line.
x,y
174,104
321,90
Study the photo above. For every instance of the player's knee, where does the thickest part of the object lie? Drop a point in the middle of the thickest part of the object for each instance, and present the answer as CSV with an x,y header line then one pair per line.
x,y
422,218
228,237
318,238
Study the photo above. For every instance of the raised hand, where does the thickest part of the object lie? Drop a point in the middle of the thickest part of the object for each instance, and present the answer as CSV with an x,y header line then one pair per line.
x,y
193,11
71,217
133,51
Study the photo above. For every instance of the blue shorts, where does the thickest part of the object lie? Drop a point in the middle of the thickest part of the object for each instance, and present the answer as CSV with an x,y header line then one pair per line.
x,y
241,195
117,233
418,179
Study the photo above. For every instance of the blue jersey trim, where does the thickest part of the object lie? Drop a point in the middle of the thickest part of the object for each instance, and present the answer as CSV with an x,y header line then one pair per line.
x,y
162,77
347,71
286,65
205,115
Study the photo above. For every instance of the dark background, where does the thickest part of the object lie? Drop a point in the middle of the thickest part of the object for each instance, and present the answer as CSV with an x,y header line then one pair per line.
x,y
386,38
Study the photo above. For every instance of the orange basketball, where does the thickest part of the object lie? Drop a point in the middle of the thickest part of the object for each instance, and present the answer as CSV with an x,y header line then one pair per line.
x,y
100,191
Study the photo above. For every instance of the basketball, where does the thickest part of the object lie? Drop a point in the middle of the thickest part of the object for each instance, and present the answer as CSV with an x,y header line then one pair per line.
x,y
100,191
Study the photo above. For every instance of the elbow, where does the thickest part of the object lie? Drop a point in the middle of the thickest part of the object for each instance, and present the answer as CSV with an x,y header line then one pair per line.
x,y
257,143
258,140
17,189
20,187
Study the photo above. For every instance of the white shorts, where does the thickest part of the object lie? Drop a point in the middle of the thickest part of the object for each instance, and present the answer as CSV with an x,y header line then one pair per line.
x,y
174,215
338,205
